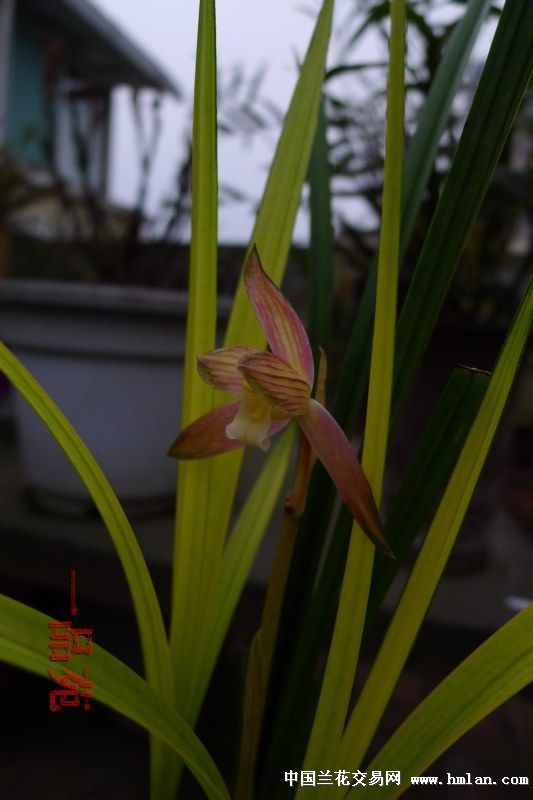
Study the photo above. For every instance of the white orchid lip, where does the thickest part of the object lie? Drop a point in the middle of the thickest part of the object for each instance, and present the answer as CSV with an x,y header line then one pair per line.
x,y
252,422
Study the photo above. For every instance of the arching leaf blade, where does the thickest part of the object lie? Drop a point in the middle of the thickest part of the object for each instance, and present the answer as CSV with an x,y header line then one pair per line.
x,y
24,643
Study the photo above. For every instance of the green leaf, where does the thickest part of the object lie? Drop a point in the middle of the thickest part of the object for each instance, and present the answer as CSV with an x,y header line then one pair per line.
x,y
439,541
344,650
449,425
428,473
354,378
272,234
196,553
498,669
151,627
321,241
498,96
421,488
273,227
241,550
376,14
149,619
432,121
262,646
497,99
24,636
418,165
342,69
201,318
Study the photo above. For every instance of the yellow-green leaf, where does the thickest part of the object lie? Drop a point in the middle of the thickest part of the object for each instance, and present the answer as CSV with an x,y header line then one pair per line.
x,y
273,231
193,549
24,643
498,669
277,213
349,624
242,547
151,627
149,619
439,541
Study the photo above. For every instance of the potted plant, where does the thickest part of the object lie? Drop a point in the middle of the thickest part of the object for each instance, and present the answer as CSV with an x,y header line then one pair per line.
x,y
97,309
296,704
119,349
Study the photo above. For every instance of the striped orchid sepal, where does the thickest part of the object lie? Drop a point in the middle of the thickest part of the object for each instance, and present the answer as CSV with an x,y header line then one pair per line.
x,y
273,388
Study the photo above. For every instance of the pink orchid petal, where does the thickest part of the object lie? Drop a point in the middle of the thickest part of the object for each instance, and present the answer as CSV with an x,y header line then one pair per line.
x,y
280,322
206,436
338,456
277,426
219,367
276,381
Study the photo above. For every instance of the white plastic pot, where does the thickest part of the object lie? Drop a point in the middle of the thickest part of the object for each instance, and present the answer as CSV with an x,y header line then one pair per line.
x,y
111,357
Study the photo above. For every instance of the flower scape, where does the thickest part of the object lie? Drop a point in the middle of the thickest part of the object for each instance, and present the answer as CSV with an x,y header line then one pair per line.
x,y
272,389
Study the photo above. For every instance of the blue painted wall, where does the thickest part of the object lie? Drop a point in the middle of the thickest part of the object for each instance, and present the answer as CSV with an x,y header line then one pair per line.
x,y
27,123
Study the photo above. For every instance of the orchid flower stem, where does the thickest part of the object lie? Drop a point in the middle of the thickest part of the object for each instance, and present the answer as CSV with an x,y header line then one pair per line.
x,y
262,648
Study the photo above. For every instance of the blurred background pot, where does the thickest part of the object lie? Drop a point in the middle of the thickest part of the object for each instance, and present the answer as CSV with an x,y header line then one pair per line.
x,y
112,359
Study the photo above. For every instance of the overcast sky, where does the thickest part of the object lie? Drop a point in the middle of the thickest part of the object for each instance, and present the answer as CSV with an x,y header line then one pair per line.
x,y
249,32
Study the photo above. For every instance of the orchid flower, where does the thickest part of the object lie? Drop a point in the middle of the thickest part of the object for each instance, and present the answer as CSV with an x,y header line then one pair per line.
x,y
273,388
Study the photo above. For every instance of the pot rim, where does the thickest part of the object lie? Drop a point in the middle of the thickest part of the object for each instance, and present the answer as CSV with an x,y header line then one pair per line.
x,y
107,297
